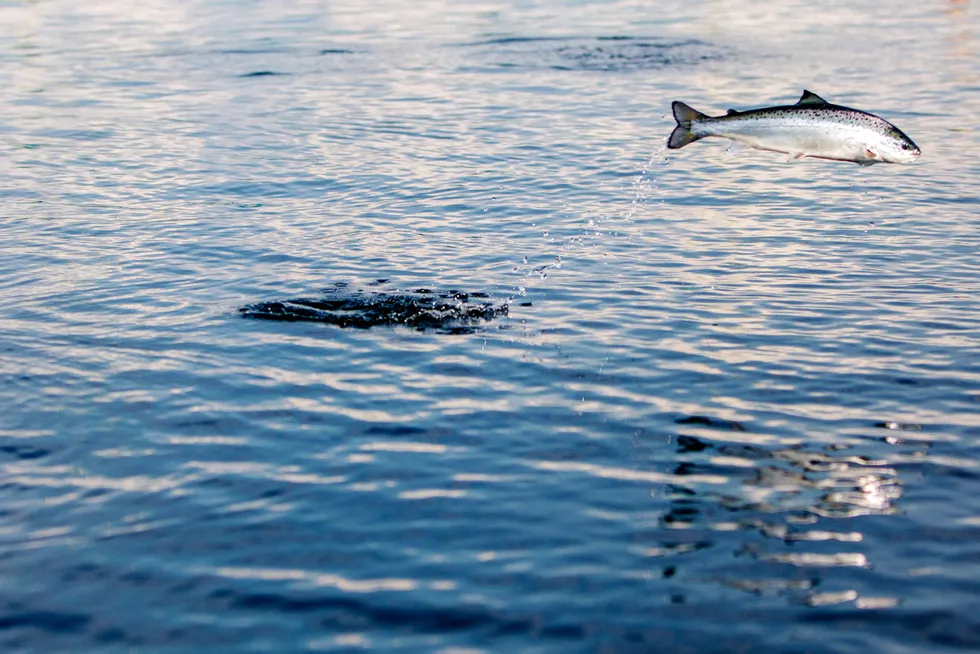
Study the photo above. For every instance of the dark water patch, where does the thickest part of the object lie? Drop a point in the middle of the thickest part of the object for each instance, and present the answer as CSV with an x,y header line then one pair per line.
x,y
335,612
690,444
110,636
395,430
705,421
264,73
633,55
939,627
330,51
604,53
49,621
508,40
24,452
447,312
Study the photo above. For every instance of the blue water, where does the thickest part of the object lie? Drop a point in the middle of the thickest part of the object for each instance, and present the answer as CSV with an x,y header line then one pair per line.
x,y
734,403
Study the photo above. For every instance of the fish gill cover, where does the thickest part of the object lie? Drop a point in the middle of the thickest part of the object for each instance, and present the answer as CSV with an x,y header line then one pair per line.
x,y
448,312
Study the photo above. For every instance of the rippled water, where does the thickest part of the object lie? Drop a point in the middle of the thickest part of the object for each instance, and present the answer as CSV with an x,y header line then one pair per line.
x,y
733,404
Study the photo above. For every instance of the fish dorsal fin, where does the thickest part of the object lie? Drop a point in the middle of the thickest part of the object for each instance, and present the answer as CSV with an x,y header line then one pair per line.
x,y
811,98
732,112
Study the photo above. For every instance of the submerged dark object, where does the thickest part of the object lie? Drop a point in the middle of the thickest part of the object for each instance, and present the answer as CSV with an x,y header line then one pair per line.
x,y
443,311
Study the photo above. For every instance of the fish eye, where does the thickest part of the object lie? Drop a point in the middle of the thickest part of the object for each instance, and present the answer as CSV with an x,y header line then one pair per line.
x,y
906,146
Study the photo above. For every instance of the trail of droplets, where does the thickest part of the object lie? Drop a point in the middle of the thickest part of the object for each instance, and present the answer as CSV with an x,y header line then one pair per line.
x,y
642,182
596,227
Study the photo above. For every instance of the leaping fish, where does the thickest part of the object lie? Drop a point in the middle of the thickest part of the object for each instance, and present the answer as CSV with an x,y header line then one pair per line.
x,y
810,128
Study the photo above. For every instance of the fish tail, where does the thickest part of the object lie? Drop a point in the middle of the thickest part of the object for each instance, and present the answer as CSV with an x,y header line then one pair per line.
x,y
682,134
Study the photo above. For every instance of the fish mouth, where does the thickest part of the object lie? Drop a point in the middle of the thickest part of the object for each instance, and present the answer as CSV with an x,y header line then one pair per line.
x,y
907,156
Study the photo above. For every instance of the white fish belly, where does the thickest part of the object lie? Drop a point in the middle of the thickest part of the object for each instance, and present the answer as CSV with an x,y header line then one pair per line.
x,y
825,140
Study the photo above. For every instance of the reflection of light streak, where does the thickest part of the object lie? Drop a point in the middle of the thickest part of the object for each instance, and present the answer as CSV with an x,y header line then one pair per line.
x,y
827,599
793,489
319,580
877,493
814,560
625,474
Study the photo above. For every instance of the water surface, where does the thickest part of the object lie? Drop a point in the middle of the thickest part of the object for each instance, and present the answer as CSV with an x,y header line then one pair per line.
x,y
733,405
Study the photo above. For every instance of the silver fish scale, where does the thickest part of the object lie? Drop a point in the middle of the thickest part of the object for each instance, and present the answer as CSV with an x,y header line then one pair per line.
x,y
840,114
810,128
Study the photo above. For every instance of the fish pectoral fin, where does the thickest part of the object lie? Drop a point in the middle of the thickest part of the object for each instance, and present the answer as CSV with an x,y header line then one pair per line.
x,y
872,157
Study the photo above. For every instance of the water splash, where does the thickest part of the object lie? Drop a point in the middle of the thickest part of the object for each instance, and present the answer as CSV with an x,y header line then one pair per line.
x,y
452,312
